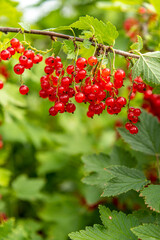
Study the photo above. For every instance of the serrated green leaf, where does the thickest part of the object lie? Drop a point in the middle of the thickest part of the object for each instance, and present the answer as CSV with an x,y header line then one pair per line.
x,y
5,176
147,140
95,169
124,180
87,44
151,196
147,66
27,188
25,26
116,226
56,47
118,223
137,45
103,32
147,232
69,49
146,216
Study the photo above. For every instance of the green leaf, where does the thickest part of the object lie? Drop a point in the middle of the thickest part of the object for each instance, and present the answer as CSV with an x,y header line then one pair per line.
x,y
103,58
56,47
6,228
27,188
118,223
148,66
124,180
147,232
69,49
87,44
5,176
147,140
25,26
151,196
95,169
97,232
116,226
137,45
103,32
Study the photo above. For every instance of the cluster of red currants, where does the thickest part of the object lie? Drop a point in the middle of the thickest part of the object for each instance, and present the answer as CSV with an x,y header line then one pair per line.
x,y
97,89
26,60
133,114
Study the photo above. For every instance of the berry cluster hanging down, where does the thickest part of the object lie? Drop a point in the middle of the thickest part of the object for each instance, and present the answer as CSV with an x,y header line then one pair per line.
x,y
86,81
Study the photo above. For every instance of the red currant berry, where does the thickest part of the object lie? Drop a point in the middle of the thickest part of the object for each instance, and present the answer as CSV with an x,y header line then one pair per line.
x,y
118,83
92,60
133,130
70,69
141,87
23,90
50,61
5,55
29,54
43,93
65,82
29,64
18,69
105,72
20,48
90,114
81,63
59,107
70,107
110,102
14,42
128,125
119,74
79,97
45,85
137,112
11,50
23,60
64,98
52,111
48,69
121,101
108,86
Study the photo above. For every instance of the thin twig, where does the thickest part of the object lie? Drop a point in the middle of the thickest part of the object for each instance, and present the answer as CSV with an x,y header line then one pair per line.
x,y
64,36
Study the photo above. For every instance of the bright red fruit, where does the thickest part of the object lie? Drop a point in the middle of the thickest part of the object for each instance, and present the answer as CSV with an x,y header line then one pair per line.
x,y
23,89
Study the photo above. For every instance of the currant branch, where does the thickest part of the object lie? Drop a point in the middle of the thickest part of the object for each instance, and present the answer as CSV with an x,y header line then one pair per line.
x,y
64,36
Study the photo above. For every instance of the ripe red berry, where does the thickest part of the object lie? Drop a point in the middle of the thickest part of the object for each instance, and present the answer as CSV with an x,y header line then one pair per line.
x,y
119,74
29,54
92,60
137,112
70,107
29,64
90,114
105,72
50,61
70,69
59,107
65,82
118,83
14,42
133,130
64,98
20,48
128,125
18,69
81,63
52,111
23,89
48,69
1,84
23,60
79,97
11,50
43,93
108,86
141,87
5,55
110,102
121,101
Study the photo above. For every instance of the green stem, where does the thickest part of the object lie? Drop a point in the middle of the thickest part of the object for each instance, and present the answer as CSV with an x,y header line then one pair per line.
x,y
158,166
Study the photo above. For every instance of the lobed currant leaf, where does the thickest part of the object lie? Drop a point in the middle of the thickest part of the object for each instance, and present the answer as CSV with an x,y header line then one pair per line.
x,y
147,232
